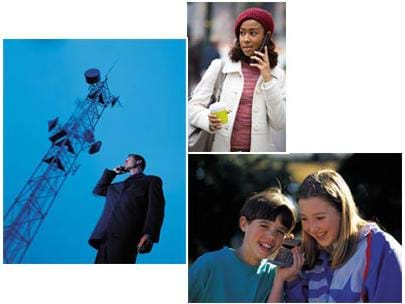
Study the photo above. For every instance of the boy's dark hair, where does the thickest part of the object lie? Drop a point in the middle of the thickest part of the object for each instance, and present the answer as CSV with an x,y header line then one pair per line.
x,y
268,205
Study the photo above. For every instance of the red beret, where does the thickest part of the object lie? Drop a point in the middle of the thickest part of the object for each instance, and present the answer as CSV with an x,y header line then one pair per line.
x,y
258,14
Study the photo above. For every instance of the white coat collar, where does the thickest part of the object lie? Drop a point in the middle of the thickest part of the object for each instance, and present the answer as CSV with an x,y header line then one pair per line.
x,y
232,67
236,67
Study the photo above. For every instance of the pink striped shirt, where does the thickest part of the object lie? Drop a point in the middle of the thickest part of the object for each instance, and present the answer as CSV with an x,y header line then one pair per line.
x,y
241,133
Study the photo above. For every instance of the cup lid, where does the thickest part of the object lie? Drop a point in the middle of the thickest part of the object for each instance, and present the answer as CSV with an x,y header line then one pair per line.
x,y
218,106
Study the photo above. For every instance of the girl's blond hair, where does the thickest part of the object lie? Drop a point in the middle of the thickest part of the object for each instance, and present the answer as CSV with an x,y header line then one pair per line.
x,y
330,186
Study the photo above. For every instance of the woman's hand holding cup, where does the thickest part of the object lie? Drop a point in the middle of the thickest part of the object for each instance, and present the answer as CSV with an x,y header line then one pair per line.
x,y
214,122
218,116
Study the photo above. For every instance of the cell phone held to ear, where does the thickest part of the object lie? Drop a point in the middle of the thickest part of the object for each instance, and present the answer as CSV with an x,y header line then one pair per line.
x,y
122,169
284,257
266,41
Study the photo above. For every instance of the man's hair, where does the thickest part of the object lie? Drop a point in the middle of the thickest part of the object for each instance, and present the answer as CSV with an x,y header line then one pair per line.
x,y
138,157
268,205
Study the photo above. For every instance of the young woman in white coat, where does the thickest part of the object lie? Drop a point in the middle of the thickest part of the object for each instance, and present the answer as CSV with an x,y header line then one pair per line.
x,y
253,90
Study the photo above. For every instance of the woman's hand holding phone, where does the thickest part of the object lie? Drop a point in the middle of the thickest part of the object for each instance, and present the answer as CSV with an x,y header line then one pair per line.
x,y
263,64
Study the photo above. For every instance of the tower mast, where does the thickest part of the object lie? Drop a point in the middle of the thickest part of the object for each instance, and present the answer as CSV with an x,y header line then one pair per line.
x,y
25,216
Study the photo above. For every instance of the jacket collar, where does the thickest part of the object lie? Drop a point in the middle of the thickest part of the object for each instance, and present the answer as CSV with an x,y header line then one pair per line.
x,y
366,230
236,67
136,176
232,67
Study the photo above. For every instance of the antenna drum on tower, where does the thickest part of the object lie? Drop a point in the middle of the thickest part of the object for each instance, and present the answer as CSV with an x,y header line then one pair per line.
x,y
92,76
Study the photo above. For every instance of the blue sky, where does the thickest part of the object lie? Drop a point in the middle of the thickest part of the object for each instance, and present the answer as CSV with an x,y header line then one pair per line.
x,y
42,79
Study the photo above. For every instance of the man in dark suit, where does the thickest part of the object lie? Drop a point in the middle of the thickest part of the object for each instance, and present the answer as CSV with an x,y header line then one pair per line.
x,y
132,216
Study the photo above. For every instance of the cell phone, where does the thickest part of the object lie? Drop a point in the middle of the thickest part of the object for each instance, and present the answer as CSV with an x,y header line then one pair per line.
x,y
265,42
284,257
122,169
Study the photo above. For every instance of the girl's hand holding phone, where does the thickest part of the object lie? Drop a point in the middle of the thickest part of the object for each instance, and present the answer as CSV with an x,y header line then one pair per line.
x,y
286,274
291,273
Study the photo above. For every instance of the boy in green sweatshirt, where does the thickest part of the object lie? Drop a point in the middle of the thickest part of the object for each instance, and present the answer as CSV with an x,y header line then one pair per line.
x,y
244,274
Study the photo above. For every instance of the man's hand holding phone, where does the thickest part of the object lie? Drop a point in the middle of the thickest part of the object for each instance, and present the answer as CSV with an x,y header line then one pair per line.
x,y
120,170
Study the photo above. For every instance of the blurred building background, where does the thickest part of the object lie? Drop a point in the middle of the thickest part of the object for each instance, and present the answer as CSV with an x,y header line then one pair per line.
x,y
210,31
219,185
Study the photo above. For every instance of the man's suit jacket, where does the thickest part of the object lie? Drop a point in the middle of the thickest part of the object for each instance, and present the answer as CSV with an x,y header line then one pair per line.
x,y
133,207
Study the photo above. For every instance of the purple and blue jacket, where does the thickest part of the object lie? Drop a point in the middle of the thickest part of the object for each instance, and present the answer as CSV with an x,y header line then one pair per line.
x,y
372,274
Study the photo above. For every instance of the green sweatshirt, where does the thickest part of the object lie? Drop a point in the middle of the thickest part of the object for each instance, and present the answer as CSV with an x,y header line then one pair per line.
x,y
220,276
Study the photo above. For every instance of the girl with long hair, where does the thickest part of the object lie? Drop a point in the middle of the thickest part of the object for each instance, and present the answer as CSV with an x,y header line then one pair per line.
x,y
347,259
